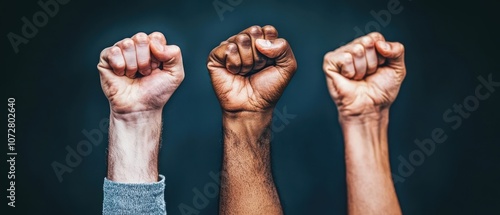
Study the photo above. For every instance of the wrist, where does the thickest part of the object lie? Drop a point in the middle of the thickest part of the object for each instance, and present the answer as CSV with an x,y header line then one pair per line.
x,y
139,117
247,123
133,147
375,118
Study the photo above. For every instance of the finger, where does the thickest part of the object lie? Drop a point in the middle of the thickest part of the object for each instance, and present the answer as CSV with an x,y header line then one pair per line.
x,y
339,67
376,36
334,80
114,58
244,43
141,41
255,33
217,57
130,56
170,56
339,62
370,54
270,33
160,38
250,29
280,51
233,58
393,52
358,55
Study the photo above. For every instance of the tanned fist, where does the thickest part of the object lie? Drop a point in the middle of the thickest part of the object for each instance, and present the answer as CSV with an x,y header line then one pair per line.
x,y
364,76
139,74
250,70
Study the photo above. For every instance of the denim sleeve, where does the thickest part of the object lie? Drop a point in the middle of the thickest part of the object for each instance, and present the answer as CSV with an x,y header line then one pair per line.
x,y
128,198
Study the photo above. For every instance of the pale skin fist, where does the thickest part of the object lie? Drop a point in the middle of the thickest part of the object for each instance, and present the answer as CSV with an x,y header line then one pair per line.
x,y
364,76
250,70
141,73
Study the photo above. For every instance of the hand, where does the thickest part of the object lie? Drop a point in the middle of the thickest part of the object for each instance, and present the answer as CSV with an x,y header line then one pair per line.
x,y
140,74
364,76
250,70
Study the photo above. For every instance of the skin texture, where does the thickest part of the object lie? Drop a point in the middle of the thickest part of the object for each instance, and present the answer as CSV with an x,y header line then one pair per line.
x,y
364,78
249,72
138,76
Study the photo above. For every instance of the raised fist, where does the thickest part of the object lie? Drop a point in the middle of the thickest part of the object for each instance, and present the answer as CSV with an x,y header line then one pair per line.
x,y
250,70
364,76
140,74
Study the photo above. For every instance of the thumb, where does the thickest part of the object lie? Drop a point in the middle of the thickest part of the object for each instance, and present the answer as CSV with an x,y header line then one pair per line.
x,y
280,51
393,52
170,56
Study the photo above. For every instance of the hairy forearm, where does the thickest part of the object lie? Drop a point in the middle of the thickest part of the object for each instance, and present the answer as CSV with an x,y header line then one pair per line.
x,y
369,181
247,185
133,147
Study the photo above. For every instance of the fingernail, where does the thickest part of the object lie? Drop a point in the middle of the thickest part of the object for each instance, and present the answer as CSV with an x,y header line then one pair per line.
x,y
157,45
264,43
385,46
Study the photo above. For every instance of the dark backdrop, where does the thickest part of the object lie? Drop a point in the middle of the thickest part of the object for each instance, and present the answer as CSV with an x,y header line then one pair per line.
x,y
58,97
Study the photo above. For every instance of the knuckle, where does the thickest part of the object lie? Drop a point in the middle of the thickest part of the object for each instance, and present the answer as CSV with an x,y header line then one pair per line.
x,y
231,48
328,56
157,35
367,41
114,51
376,35
242,38
347,59
141,38
358,50
270,31
254,28
127,43
269,28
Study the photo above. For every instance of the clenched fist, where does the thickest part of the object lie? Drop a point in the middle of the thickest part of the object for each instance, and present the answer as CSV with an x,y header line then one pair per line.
x,y
250,70
364,76
139,74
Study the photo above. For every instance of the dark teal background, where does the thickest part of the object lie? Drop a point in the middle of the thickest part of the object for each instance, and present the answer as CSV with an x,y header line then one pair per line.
x,y
56,85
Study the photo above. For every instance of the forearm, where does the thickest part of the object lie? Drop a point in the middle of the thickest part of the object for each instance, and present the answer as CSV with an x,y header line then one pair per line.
x,y
133,185
133,147
247,185
369,181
